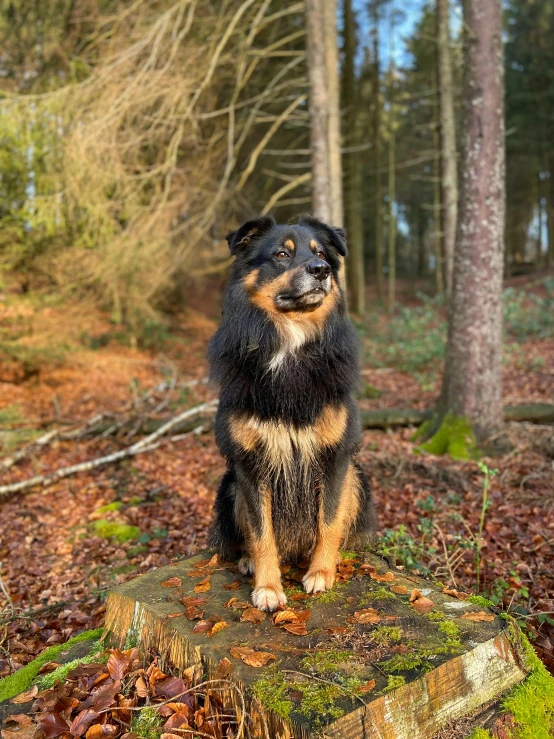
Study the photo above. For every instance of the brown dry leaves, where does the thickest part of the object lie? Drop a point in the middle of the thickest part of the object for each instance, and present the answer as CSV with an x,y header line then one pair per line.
x,y
420,603
250,657
292,621
478,616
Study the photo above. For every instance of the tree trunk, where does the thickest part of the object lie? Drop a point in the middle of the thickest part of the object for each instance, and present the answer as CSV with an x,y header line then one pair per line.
x,y
352,169
437,205
447,140
378,230
473,368
333,94
392,193
549,256
319,110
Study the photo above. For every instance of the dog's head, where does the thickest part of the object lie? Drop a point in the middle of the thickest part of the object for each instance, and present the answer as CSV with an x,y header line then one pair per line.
x,y
288,268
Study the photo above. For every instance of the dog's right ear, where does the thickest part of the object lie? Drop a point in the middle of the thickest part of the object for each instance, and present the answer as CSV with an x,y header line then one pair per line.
x,y
249,231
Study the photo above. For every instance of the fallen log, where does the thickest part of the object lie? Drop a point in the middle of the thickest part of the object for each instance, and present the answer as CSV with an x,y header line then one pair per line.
x,y
389,417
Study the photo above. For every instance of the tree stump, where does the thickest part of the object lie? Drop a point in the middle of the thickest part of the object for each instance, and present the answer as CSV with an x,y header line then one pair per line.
x,y
384,654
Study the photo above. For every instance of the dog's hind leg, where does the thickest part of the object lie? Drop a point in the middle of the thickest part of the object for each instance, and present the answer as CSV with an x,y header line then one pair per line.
x,y
225,536
363,531
338,508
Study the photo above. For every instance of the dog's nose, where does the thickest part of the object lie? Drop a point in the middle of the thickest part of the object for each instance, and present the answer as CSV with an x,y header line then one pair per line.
x,y
318,268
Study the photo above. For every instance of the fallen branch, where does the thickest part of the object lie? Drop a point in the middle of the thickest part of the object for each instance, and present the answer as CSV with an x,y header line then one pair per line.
x,y
144,445
382,419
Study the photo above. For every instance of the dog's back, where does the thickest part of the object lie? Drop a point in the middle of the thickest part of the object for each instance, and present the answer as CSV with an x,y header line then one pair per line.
x,y
288,424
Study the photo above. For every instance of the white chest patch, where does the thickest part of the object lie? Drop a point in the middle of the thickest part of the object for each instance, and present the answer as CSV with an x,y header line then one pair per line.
x,y
293,336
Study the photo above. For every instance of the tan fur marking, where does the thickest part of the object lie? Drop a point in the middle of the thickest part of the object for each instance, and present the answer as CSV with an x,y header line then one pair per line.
x,y
331,425
331,535
249,280
289,243
314,246
278,441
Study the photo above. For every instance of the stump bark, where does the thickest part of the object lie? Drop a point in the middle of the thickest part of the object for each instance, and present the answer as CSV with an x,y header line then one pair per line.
x,y
384,655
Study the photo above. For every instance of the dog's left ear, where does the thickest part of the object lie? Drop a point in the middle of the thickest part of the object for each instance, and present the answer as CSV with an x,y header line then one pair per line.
x,y
334,235
248,232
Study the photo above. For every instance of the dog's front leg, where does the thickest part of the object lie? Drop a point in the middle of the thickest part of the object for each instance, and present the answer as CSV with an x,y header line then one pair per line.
x,y
338,507
255,518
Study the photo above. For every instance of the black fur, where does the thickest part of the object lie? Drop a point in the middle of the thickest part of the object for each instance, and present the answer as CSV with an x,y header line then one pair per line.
x,y
323,371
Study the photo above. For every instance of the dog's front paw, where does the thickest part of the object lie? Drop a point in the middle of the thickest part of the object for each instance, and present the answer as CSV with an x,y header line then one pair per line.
x,y
318,581
246,565
268,599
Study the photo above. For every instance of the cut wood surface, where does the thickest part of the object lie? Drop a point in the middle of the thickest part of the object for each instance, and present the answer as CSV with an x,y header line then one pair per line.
x,y
384,655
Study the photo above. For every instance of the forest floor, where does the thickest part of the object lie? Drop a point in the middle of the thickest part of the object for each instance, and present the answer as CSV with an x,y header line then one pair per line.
x,y
58,562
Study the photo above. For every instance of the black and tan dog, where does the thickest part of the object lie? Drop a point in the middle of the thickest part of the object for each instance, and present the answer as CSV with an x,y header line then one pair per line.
x,y
286,359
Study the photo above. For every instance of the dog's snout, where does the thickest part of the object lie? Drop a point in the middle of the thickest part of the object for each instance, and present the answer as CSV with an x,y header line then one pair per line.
x,y
318,268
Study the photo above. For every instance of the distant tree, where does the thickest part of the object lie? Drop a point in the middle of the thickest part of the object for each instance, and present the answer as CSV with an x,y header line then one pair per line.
x,y
472,376
324,105
449,174
374,11
353,204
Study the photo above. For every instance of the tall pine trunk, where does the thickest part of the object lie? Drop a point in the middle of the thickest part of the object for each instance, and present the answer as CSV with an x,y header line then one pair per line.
x,y
449,172
333,95
378,225
352,168
473,369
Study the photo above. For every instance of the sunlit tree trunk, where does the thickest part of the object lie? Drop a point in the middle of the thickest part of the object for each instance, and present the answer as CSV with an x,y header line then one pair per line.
x,y
392,184
378,227
352,168
333,94
473,372
449,180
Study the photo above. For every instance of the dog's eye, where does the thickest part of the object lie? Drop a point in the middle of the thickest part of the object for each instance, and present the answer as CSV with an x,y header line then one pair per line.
x,y
321,254
282,255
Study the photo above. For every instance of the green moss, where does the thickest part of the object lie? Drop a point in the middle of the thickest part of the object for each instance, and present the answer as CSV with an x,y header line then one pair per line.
x,y
59,674
326,661
387,634
272,691
346,555
454,437
478,600
318,701
480,734
436,616
395,681
450,629
423,431
112,530
147,723
330,596
23,678
405,663
115,506
135,501
532,701
379,594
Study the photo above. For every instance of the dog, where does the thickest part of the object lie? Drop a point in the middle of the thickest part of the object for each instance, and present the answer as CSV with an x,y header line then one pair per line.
x,y
286,359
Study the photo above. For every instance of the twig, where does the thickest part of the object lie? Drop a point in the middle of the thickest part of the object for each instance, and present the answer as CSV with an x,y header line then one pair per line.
x,y
145,445
6,594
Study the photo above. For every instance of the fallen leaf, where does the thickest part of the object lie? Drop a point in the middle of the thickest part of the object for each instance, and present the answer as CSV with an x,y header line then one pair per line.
x,y
298,629
366,687
478,616
26,732
337,630
399,589
21,719
455,593
254,615
53,724
368,569
224,668
181,708
283,616
141,688
236,604
25,697
49,667
175,721
190,600
251,657
299,596
217,627
203,586
82,721
235,585
100,730
118,664
420,602
387,577
202,627
173,582
193,613
367,616
175,615
214,561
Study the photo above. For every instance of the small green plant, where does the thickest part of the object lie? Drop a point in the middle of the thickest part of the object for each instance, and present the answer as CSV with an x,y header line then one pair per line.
x,y
487,474
395,681
113,530
147,723
387,634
